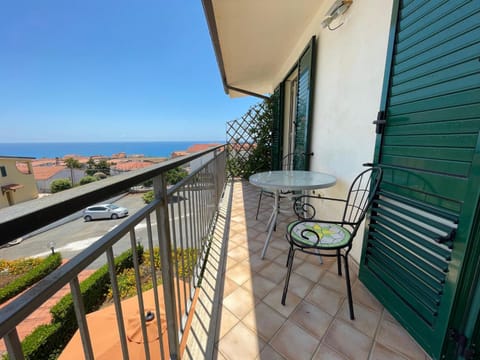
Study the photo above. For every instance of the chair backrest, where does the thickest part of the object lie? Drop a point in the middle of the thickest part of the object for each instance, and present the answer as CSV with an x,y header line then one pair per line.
x,y
360,196
289,160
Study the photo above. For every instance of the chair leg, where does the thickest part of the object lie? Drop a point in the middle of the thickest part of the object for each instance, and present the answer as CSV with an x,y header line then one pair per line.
x,y
258,205
349,288
291,255
288,256
339,262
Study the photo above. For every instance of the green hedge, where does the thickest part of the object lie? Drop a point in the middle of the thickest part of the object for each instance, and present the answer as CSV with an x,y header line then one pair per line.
x,y
47,341
94,291
43,342
50,263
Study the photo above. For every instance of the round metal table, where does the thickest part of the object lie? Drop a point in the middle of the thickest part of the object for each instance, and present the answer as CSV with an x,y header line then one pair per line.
x,y
288,180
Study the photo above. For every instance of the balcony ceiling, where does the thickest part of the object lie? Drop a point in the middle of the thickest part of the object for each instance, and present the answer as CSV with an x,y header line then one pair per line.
x,y
253,39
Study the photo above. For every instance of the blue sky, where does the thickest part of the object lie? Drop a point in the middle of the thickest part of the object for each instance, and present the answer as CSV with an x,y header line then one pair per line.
x,y
110,71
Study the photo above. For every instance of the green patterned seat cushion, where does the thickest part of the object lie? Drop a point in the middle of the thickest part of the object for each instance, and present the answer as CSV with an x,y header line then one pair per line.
x,y
330,235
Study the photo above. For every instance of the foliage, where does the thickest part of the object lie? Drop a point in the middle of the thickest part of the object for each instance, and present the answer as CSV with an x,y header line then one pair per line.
x,y
39,271
94,290
47,341
60,185
148,197
19,266
172,177
87,179
42,343
72,163
95,166
184,260
255,144
260,158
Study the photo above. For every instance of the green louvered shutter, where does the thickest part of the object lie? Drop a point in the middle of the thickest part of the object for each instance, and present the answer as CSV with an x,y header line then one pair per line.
x,y
277,127
304,105
421,223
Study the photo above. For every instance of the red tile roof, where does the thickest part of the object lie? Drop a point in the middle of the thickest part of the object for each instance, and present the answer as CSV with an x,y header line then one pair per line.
x,y
200,147
46,172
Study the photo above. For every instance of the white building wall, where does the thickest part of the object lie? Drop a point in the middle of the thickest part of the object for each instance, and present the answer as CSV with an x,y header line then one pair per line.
x,y
349,79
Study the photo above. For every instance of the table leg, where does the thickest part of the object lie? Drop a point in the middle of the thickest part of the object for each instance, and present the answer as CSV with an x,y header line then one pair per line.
x,y
271,222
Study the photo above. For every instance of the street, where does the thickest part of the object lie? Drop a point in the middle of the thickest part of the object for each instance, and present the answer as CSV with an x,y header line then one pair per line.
x,y
72,237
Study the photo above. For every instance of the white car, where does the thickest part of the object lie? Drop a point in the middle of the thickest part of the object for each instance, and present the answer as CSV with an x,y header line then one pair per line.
x,y
104,211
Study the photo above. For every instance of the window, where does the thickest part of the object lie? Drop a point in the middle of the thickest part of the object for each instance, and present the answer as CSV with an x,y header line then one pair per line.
x,y
3,171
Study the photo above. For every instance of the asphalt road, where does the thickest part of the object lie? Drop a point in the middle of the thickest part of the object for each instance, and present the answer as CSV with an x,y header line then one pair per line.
x,y
71,237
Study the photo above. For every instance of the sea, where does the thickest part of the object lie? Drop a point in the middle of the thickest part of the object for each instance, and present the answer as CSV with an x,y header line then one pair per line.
x,y
60,149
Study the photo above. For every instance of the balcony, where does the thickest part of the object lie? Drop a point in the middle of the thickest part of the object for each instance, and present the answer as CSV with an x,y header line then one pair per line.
x,y
314,324
234,311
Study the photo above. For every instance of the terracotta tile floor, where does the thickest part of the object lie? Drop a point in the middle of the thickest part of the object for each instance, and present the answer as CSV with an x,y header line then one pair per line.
x,y
314,323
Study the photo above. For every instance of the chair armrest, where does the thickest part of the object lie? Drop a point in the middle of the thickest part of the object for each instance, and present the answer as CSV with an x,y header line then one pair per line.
x,y
305,210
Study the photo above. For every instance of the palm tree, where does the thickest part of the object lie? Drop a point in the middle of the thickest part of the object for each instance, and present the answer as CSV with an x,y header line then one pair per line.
x,y
72,163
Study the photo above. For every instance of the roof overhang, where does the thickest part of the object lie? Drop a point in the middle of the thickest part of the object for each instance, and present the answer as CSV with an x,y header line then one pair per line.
x,y
11,187
254,40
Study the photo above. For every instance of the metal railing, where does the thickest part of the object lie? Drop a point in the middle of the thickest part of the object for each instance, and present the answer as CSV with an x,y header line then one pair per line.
x,y
179,221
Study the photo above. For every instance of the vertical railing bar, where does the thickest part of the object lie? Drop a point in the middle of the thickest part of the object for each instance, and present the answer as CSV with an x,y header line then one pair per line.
x,y
155,283
183,251
138,283
184,246
117,303
216,174
190,221
14,346
81,318
196,212
163,229
175,253
190,245
206,198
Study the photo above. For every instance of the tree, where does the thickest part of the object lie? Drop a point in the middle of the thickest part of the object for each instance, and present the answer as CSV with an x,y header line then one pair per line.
x,y
172,177
94,167
72,163
60,185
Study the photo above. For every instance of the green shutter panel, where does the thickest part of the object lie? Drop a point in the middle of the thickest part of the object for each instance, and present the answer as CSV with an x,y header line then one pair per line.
x,y
277,127
421,222
306,66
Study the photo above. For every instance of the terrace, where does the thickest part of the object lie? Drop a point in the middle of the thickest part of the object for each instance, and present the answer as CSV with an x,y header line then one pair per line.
x,y
234,310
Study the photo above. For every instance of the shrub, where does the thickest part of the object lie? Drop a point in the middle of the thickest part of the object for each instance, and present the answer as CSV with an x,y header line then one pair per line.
x,y
60,185
42,343
184,260
19,266
87,179
47,341
94,292
148,197
38,272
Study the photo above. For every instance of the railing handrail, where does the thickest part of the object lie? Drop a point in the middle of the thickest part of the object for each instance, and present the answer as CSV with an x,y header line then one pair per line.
x,y
21,219
16,311
20,308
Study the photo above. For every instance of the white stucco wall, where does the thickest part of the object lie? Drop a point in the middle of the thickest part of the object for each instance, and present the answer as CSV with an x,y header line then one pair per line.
x,y
349,78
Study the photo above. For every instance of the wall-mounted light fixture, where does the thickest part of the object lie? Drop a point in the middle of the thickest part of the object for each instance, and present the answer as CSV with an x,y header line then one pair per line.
x,y
338,8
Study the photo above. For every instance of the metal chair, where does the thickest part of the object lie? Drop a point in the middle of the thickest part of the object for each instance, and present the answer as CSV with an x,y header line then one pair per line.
x,y
332,238
288,162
